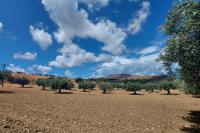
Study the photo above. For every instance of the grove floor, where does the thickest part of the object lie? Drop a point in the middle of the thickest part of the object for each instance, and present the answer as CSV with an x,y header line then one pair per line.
x,y
33,110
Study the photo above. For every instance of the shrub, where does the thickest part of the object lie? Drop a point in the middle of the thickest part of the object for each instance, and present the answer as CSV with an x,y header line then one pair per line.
x,y
105,87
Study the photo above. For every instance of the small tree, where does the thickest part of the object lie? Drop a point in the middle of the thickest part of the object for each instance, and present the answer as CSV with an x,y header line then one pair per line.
x,y
92,85
117,85
134,87
86,85
83,85
42,82
168,85
105,87
151,86
59,84
23,81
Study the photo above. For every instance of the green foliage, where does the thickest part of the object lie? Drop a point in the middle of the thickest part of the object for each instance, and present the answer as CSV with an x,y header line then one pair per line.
x,y
117,85
58,84
79,80
151,86
168,85
86,85
183,45
23,81
134,87
105,87
43,82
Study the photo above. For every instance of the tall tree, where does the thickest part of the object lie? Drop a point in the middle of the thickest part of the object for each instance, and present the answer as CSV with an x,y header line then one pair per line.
x,y
182,27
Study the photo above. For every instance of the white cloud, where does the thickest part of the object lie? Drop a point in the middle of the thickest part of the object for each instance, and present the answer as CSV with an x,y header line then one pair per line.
x,y
1,26
143,65
74,22
72,55
96,3
26,56
68,73
135,25
14,68
149,50
43,38
39,69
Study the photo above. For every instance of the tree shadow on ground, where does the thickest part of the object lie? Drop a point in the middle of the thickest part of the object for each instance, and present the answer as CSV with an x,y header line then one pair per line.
x,y
64,93
6,92
194,118
172,94
138,94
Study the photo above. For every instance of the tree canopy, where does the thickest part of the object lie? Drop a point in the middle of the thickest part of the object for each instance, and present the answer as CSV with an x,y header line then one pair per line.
x,y
182,27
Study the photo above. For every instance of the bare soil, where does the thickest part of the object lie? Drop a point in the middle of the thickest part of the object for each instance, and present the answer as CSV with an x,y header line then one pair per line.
x,y
30,110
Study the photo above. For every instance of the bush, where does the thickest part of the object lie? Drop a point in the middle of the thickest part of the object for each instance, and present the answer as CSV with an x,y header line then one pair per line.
x,y
23,81
59,84
134,87
105,87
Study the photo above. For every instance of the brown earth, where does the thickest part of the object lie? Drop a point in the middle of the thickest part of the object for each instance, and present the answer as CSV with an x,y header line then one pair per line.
x,y
33,110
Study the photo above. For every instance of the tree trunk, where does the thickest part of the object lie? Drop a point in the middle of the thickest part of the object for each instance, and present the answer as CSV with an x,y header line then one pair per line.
x,y
22,85
104,91
2,83
135,92
168,92
43,87
59,90
84,90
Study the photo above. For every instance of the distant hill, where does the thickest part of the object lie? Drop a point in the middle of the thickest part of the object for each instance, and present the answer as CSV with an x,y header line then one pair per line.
x,y
135,77
119,76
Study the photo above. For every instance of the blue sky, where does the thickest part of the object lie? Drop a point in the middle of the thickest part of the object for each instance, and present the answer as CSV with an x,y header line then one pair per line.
x,y
82,38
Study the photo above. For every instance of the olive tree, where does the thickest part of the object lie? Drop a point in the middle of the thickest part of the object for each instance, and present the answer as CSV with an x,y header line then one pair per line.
x,y
134,87
167,86
105,87
23,81
42,82
182,27
59,84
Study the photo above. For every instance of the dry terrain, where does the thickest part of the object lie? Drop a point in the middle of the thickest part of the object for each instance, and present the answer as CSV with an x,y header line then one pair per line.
x,y
34,110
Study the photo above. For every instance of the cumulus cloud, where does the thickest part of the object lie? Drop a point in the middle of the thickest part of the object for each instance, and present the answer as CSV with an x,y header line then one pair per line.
x,y
74,22
72,55
15,69
1,26
143,65
39,69
25,56
135,25
95,3
43,38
